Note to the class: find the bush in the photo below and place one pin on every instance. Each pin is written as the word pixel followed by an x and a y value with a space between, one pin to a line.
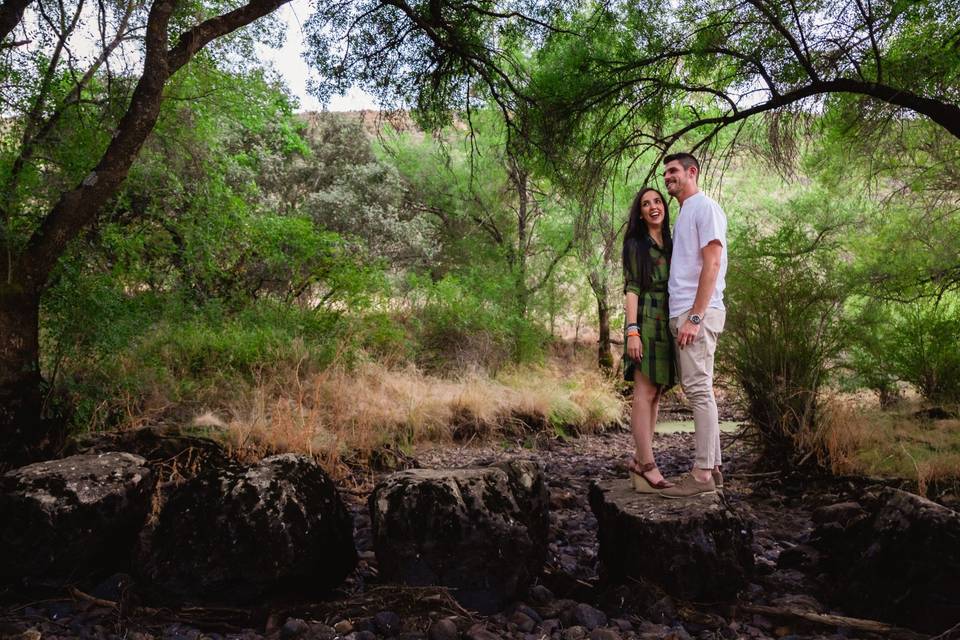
pixel 785 326
pixel 923 348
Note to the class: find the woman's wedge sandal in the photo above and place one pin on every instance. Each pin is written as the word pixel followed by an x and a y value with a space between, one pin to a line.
pixel 640 482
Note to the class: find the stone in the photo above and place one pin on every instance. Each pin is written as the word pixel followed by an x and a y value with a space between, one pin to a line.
pixel 343 627
pixel 479 632
pixel 387 622
pixel 237 533
pixel 575 632
pixel 522 621
pixel 898 563
pixel 183 452
pixel 482 531
pixel 798 557
pixel 74 516
pixel 539 594
pixel 293 628
pixel 443 629
pixel 696 549
pixel 589 617
pixel 604 634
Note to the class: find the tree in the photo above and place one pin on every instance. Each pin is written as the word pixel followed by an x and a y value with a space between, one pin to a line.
pixel 57 176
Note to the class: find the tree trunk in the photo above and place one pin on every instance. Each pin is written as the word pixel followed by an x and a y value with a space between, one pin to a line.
pixel 25 433
pixel 604 355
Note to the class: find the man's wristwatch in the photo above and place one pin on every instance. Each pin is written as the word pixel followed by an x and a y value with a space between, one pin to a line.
pixel 695 318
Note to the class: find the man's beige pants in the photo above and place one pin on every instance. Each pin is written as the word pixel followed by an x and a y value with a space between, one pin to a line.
pixel 696 377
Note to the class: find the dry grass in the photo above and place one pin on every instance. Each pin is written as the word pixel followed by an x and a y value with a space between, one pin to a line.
pixel 864 440
pixel 337 414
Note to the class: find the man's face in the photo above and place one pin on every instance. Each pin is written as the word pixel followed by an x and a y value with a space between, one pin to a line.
pixel 676 178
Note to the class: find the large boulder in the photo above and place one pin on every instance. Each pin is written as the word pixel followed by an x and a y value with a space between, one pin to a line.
pixel 72 517
pixel 895 556
pixel 480 531
pixel 236 533
pixel 696 548
pixel 173 452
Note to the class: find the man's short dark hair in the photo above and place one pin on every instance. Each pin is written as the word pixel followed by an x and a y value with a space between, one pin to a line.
pixel 686 159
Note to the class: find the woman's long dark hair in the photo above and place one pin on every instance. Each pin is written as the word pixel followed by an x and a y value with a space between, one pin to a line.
pixel 637 242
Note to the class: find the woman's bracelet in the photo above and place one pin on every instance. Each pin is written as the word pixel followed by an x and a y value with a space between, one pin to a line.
pixel 634 325
pixel 631 334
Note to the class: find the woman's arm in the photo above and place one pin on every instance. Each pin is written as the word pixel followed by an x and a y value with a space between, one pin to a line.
pixel 634 347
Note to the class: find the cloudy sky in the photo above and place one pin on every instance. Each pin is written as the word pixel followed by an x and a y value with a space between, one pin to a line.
pixel 289 62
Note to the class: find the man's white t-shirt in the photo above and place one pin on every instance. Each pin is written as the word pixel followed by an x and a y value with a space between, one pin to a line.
pixel 701 220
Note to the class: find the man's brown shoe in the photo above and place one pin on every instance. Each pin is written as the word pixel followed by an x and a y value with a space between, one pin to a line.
pixel 689 486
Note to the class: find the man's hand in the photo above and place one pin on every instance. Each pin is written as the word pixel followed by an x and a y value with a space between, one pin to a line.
pixel 687 333
pixel 634 348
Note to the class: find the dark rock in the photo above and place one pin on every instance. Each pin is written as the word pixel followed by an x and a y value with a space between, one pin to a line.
pixel 798 557
pixel 72 516
pixel 443 629
pixel 574 633
pixel 589 617
pixel 842 513
pixel 539 594
pixel 237 533
pixel 522 621
pixel 479 632
pixel 480 531
pixel 343 627
pixel 604 634
pixel 696 549
pixel 293 628
pixel 181 453
pixel 387 622
pixel 898 563
pixel 529 612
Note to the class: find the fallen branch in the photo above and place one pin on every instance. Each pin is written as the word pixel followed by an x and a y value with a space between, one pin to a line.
pixel 830 620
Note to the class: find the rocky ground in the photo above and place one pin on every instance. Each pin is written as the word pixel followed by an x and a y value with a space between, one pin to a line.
pixel 571 601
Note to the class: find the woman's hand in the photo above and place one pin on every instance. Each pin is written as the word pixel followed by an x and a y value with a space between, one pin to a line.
pixel 634 348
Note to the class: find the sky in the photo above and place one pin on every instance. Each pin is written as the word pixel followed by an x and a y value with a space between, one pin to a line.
pixel 289 62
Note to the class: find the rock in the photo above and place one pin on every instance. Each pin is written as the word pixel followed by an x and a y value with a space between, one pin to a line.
pixel 897 563
pixel 237 533
pixel 387 623
pixel 589 617
pixel 72 516
pixel 604 634
pixel 443 629
pixel 343 627
pixel 842 513
pixel 479 632
pixel 480 531
pixel 574 633
pixel 797 557
pixel 293 628
pixel 539 594
pixel 523 622
pixel 696 548
pixel 185 452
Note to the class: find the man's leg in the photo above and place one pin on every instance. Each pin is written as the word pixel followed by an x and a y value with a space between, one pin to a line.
pixel 696 377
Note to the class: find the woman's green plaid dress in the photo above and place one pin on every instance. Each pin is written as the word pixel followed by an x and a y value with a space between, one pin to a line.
pixel 658 362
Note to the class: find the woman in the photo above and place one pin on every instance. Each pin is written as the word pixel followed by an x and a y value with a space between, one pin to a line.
pixel 648 360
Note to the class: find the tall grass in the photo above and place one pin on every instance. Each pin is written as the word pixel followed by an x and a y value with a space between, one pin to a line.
pixel 864 440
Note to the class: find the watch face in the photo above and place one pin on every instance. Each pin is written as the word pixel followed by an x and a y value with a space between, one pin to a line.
pixel 695 319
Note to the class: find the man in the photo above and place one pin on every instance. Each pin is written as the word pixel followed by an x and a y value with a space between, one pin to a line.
pixel 697 314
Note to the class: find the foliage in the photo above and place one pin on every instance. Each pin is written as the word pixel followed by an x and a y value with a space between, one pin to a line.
pixel 786 323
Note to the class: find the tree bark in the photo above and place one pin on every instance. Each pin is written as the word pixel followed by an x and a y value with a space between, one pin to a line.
pixel 604 354
pixel 27 433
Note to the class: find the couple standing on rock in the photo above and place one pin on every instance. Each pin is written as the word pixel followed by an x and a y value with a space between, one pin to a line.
pixel 674 313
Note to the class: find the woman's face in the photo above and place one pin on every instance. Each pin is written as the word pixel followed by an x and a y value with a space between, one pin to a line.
pixel 651 208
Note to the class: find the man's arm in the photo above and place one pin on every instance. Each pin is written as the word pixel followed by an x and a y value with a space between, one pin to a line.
pixel 712 254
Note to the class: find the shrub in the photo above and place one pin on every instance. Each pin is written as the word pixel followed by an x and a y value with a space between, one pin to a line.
pixel 785 326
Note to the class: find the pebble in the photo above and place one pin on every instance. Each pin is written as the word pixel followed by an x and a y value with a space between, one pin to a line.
pixel 387 622
pixel 479 632
pixel 443 629
pixel 604 634
pixel 574 633
pixel 293 628
pixel 589 617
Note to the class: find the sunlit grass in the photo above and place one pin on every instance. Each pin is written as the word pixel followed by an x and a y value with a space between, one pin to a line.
pixel 894 444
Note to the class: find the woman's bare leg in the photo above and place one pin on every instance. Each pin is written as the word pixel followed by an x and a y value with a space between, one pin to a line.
pixel 643 418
